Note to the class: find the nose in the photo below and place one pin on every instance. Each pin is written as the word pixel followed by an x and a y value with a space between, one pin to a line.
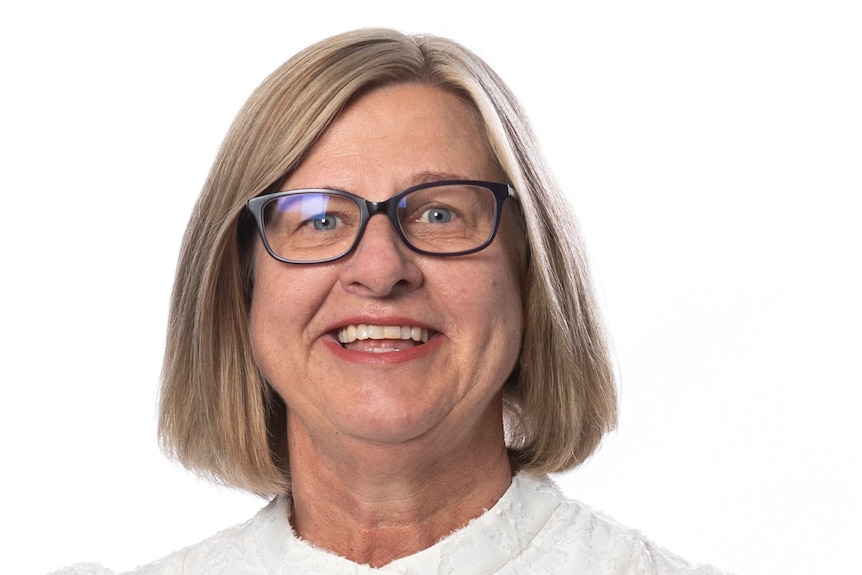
pixel 381 264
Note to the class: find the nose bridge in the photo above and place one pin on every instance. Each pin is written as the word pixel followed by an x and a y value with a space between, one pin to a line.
pixel 379 207
pixel 382 208
pixel 380 262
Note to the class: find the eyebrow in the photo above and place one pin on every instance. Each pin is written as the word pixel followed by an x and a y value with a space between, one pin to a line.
pixel 423 177
pixel 428 177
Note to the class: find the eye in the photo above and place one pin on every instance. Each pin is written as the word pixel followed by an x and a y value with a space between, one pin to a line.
pixel 436 216
pixel 324 223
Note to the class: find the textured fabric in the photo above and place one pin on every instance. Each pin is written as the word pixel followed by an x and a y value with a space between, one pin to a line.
pixel 533 529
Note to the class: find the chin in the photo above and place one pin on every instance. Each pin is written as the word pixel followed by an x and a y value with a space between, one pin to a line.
pixel 389 428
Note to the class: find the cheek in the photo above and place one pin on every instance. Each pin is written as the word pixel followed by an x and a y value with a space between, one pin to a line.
pixel 268 312
pixel 508 279
pixel 267 299
pixel 284 301
pixel 496 307
pixel 510 311
pixel 509 306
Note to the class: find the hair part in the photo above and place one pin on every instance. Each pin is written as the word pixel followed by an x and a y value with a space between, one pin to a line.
pixel 222 420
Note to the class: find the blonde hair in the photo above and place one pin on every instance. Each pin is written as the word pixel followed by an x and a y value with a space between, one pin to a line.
pixel 220 418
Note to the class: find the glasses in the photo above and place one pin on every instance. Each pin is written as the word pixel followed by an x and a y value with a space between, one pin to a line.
pixel 447 218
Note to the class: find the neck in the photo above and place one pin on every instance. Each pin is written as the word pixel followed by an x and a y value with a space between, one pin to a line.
pixel 373 504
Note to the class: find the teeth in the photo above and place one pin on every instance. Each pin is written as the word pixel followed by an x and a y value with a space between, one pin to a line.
pixel 362 331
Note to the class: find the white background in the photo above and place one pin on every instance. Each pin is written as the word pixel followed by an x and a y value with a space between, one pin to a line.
pixel 712 151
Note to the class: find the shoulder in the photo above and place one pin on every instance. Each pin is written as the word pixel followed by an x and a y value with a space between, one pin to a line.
pixel 577 535
pixel 83 569
pixel 170 565
pixel 235 549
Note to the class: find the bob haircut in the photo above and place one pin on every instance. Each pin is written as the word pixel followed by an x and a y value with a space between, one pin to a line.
pixel 222 420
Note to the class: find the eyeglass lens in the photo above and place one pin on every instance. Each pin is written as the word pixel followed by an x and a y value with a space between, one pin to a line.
pixel 315 225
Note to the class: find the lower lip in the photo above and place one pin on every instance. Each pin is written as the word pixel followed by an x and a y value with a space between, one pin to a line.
pixel 387 358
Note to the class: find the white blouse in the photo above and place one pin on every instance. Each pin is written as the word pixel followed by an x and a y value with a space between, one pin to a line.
pixel 533 529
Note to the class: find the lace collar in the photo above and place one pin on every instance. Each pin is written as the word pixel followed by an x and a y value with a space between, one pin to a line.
pixel 484 545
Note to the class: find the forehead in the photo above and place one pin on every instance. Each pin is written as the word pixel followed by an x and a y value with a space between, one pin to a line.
pixel 397 136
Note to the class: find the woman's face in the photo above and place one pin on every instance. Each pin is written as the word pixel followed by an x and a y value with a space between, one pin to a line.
pixel 391 391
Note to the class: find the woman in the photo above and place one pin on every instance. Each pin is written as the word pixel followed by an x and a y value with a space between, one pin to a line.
pixel 400 384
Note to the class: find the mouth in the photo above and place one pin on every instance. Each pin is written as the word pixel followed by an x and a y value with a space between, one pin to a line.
pixel 381 338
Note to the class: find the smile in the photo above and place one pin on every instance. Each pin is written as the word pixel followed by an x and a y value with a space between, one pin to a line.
pixel 360 332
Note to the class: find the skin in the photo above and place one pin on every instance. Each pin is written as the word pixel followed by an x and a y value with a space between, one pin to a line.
pixel 386 449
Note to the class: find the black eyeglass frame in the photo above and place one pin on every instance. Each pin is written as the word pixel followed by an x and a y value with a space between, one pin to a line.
pixel 389 208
